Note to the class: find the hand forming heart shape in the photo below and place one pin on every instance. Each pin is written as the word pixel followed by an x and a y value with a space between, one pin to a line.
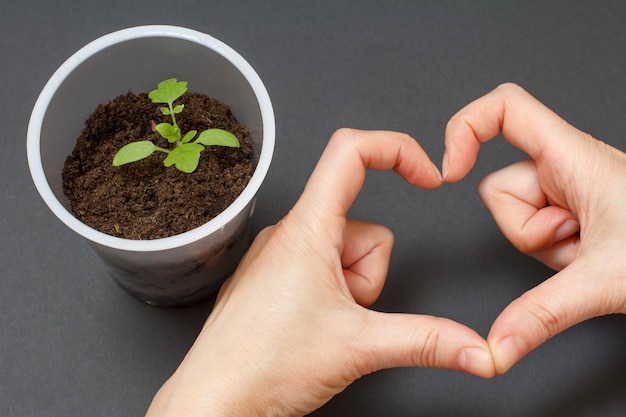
pixel 293 318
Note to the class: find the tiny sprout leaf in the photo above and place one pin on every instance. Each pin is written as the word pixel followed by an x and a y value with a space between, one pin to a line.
pixel 168 131
pixel 186 154
pixel 189 136
pixel 186 157
pixel 218 137
pixel 168 91
pixel 133 152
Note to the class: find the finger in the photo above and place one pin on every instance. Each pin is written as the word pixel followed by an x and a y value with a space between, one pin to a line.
pixel 402 340
pixel 562 253
pixel 521 209
pixel 340 173
pixel 581 291
pixel 365 260
pixel 525 122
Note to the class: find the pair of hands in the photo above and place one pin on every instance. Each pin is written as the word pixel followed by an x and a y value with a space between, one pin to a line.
pixel 290 329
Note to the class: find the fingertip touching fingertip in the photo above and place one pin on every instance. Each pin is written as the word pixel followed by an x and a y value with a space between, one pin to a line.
pixel 437 173
pixel 445 166
pixel 507 352
pixel 476 361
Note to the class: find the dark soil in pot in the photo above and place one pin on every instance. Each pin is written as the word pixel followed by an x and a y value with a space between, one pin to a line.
pixel 144 199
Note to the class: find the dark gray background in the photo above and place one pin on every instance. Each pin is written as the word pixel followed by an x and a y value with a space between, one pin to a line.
pixel 73 344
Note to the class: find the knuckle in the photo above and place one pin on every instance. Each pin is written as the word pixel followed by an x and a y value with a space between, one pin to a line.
pixel 343 140
pixel 427 355
pixel 487 187
pixel 386 236
pixel 510 88
pixel 550 322
pixel 343 134
pixel 369 297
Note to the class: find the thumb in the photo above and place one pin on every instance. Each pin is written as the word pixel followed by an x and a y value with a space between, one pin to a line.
pixel 577 293
pixel 406 340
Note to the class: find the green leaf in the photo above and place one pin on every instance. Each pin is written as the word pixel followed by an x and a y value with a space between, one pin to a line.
pixel 185 157
pixel 189 136
pixel 218 137
pixel 168 91
pixel 133 152
pixel 179 108
pixel 166 111
pixel 168 131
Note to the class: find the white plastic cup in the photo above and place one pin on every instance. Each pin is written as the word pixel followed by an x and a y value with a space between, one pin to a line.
pixel 183 269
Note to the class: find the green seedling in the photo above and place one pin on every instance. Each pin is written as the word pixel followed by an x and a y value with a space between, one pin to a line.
pixel 186 154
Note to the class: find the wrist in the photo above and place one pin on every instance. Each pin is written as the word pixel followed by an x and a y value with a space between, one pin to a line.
pixel 218 391
pixel 188 403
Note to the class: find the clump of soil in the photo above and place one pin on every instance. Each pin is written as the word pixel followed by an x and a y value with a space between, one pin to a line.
pixel 144 199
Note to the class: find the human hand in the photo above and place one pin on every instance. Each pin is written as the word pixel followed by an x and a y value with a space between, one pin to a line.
pixel 291 329
pixel 564 206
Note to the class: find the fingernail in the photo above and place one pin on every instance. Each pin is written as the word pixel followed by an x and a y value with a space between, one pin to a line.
pixel 476 361
pixel 445 165
pixel 566 230
pixel 510 350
